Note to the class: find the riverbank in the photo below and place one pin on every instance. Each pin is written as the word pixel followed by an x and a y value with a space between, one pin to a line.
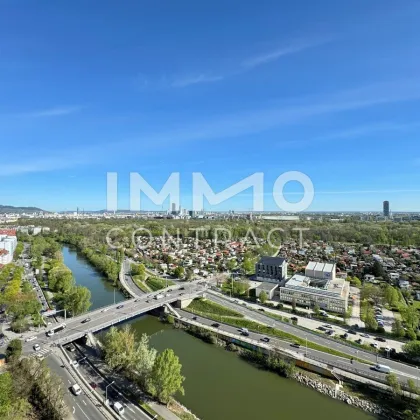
pixel 378 403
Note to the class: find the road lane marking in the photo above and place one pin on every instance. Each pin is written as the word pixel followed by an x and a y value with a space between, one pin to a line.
pixel 83 411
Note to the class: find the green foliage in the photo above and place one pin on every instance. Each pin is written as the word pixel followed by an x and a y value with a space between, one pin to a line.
pixel 410 334
pixel 139 270
pixel 18 250
pixel 393 382
pixel 204 306
pixel 412 349
pixel 263 297
pixel 103 263
pixel 410 316
pixel 272 363
pixel 156 283
pixel 398 329
pixel 179 272
pixel 76 300
pixel 13 350
pixel 12 406
pixel 370 321
pixel 391 296
pixel 248 266
pixel 60 277
pixel 354 281
pixel 377 269
pixel 166 379
pixel 372 292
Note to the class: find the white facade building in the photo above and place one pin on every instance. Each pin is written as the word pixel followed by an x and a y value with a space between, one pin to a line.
pixel 319 286
pixel 8 243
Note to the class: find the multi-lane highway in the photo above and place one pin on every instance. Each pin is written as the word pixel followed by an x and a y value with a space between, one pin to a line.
pixel 409 371
pixel 328 359
pixel 104 317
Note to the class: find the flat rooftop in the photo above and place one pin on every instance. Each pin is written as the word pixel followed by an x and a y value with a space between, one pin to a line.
pixel 334 288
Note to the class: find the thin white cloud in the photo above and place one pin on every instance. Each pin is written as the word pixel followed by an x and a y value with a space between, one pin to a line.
pixel 292 48
pixel 52 112
pixel 195 80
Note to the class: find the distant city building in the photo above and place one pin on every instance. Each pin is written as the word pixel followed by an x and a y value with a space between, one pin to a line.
pixel 271 269
pixel 386 208
pixel 319 286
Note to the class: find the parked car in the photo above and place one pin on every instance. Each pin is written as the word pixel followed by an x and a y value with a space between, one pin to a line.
pixel 120 306
pixel 365 335
pixel 85 320
pixel 215 325
pixel 261 309
pixel 352 332
pixel 381 339
pixel 359 341
pixel 294 318
pixel 374 345
pixel 194 318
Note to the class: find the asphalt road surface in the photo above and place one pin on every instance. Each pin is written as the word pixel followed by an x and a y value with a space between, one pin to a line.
pixel 95 320
pixel 80 406
pixel 399 368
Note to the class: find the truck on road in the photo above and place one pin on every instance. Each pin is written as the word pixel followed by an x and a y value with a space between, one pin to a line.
pixel 159 296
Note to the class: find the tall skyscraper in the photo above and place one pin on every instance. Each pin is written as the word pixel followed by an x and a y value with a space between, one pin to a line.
pixel 386 208
pixel 173 208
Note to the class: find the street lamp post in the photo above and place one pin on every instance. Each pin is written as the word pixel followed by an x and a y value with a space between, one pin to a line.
pixel 306 348
pixel 106 391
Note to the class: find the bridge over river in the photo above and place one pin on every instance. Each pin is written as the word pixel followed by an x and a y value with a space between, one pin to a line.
pixel 105 317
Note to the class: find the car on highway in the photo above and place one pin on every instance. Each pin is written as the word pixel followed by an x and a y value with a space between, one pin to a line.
pixel 381 339
pixel 70 348
pixel 374 345
pixel 74 363
pixel 365 335
pixel 182 288
pixel 85 320
pixel 382 368
pixel 104 310
pixel 296 345
pixel 120 306
pixel 294 318
pixel 328 326
pixel 118 408
pixel 358 341
pixel 261 309
pixel 215 325
pixel 265 339
pixel 321 328
pixel 31 339
pixel 75 389
pixel 329 332
pixel 352 332
pixel 345 335
pixel 136 300
pixel 194 318
pixel 37 347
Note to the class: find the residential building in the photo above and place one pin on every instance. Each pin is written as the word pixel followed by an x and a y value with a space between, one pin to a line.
pixel 271 269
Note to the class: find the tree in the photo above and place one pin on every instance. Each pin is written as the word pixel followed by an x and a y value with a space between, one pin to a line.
pixel 144 360
pixel 179 272
pixel 317 309
pixel 355 281
pixel 370 321
pixel 231 264
pixel 294 304
pixel 14 350
pixel 166 378
pixel 189 274
pixel 377 269
pixel 76 300
pixel 371 292
pixel 263 296
pixel 411 334
pixel 138 270
pixel 12 406
pixel 119 347
pixel 412 349
pixel 398 329
pixel 410 316
pixel 394 384
pixel 412 387
pixel 248 266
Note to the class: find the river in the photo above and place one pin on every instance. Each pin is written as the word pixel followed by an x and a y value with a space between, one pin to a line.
pixel 85 274
pixel 218 384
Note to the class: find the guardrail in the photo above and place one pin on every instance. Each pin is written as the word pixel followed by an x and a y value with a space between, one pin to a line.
pixel 119 319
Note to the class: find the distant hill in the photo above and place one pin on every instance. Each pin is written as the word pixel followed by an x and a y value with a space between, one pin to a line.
pixel 12 209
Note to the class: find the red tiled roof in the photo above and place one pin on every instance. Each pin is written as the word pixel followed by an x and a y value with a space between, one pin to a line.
pixel 4 251
pixel 9 232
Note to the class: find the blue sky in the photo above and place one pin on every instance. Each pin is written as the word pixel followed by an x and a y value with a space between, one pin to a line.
pixel 328 88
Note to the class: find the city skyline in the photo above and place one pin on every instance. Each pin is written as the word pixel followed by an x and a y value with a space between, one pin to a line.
pixel 192 88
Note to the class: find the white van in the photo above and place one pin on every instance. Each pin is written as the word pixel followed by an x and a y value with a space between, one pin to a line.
pixel 244 330
pixel 118 408
pixel 76 389
pixel 382 368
